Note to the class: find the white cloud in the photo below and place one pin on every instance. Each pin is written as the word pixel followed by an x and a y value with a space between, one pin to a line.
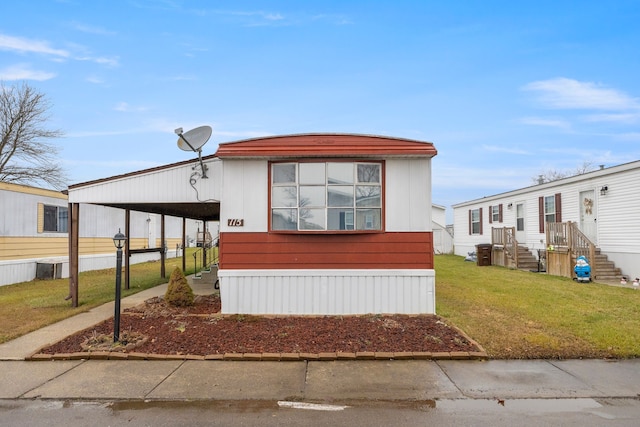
pixel 112 62
pixel 125 107
pixel 541 121
pixel 508 150
pixel 564 93
pixel 627 118
pixel 630 136
pixel 91 29
pixel 23 45
pixel 23 72
pixel 95 80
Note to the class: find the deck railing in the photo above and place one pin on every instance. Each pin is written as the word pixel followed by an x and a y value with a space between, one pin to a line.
pixel 565 243
pixel 505 245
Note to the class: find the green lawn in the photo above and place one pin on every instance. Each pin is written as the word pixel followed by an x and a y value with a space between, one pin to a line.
pixel 25 307
pixel 519 314
pixel 512 314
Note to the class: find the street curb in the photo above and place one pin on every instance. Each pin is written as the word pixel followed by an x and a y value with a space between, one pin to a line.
pixel 272 357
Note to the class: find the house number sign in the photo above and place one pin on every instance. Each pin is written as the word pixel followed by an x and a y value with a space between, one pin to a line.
pixel 234 222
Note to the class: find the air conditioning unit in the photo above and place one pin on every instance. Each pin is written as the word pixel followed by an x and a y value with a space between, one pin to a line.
pixel 48 270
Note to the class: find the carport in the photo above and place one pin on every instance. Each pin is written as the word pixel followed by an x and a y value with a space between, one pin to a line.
pixel 178 190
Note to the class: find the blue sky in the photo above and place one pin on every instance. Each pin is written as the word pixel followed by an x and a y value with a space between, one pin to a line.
pixel 505 90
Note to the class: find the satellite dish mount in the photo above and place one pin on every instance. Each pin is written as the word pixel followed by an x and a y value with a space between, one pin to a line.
pixel 194 140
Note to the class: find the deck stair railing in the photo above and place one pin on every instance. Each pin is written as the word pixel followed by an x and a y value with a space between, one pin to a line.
pixel 504 239
pixel 206 259
pixel 565 240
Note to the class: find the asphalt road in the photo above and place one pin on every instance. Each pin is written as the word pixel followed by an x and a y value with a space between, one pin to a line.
pixel 458 412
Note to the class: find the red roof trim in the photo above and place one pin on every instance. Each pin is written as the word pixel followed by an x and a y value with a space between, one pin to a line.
pixel 325 145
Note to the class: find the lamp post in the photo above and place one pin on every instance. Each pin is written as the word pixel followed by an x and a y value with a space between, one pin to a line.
pixel 118 241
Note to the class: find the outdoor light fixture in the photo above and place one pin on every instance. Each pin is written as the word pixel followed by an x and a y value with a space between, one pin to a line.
pixel 604 190
pixel 118 240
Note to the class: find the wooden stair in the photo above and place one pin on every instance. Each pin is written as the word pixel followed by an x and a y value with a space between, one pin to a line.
pixel 526 260
pixel 606 270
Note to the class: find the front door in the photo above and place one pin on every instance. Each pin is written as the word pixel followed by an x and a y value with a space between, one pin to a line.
pixel 521 235
pixel 588 210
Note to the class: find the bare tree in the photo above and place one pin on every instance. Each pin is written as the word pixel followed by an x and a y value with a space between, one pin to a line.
pixel 26 156
pixel 554 175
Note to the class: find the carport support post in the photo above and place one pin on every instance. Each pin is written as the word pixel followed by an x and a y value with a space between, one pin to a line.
pixel 184 246
pixel 163 252
pixel 127 232
pixel 73 239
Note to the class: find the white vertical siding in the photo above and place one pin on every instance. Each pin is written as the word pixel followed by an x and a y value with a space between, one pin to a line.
pixel 24 270
pixel 172 185
pixel 408 195
pixel 327 292
pixel 245 195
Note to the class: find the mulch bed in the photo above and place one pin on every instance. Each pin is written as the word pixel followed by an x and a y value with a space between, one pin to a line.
pixel 157 328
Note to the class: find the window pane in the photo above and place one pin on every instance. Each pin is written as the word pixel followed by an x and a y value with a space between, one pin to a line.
pixel 340 173
pixel 475 215
pixel 284 219
pixel 283 197
pixel 312 219
pixel 340 219
pixel 368 195
pixel 475 228
pixel 312 196
pixel 340 195
pixel 368 219
pixel 368 173
pixel 312 173
pixel 550 205
pixel 50 218
pixel 63 218
pixel 284 173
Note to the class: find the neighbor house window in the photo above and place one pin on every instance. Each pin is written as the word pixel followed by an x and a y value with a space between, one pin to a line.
pixel 549 210
pixel 475 221
pixel 495 213
pixel 519 217
pixel 55 218
pixel 326 196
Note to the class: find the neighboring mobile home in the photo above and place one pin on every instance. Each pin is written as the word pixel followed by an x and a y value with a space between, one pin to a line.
pixel 442 235
pixel 595 214
pixel 309 224
pixel 34 231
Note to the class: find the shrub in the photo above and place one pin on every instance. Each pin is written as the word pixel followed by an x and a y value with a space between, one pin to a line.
pixel 179 293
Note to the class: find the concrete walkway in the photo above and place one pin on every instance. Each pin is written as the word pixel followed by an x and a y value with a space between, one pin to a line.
pixel 314 381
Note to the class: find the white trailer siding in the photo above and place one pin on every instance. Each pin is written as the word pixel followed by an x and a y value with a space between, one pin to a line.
pixel 168 185
pixel 245 193
pixel 615 213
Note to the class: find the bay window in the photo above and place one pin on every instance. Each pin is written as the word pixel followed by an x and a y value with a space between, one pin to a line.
pixel 326 196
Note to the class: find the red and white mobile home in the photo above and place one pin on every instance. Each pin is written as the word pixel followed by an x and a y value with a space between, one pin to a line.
pixel 309 224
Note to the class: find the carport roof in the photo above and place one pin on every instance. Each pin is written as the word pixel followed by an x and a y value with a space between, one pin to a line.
pixel 153 199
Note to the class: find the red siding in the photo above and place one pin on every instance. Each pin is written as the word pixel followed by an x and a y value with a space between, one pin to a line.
pixel 244 251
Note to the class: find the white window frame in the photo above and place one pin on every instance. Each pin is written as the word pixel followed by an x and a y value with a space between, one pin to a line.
pixel 549 209
pixel 326 196
pixel 475 221
pixel 61 219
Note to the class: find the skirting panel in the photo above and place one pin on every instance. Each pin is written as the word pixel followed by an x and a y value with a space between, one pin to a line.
pixel 327 292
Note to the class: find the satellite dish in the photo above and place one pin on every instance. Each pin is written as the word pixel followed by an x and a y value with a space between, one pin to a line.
pixel 194 140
